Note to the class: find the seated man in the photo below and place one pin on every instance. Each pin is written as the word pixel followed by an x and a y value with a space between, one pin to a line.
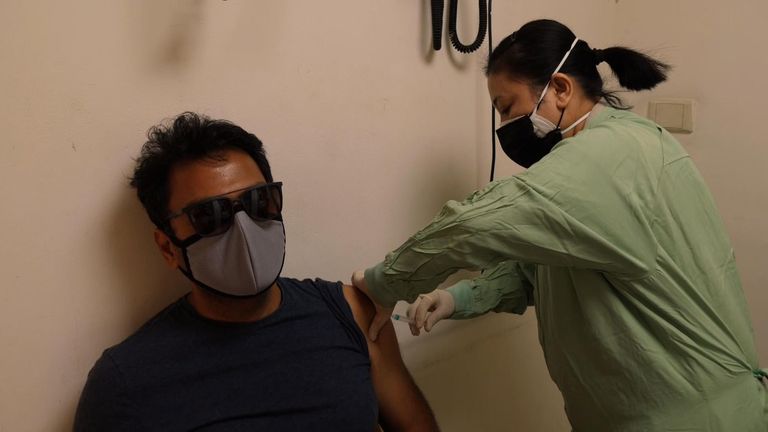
pixel 244 350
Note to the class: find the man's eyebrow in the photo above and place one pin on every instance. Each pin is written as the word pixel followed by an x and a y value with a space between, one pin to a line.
pixel 202 200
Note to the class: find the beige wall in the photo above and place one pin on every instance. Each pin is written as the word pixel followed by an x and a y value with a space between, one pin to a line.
pixel 368 130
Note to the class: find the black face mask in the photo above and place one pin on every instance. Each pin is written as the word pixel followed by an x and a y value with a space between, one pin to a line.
pixel 518 139
pixel 520 143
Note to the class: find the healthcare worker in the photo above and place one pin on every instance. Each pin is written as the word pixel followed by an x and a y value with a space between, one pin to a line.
pixel 611 233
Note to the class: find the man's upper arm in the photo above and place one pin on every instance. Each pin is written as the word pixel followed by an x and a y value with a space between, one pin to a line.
pixel 402 407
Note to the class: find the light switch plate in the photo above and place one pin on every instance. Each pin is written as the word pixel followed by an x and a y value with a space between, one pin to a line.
pixel 674 115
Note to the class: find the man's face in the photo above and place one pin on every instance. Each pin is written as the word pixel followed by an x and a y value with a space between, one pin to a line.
pixel 198 180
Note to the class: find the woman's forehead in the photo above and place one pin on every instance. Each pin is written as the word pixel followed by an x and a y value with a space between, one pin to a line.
pixel 502 87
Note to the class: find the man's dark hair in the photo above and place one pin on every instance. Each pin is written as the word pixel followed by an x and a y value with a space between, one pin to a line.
pixel 188 137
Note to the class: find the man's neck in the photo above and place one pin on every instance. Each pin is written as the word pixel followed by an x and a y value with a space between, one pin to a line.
pixel 249 309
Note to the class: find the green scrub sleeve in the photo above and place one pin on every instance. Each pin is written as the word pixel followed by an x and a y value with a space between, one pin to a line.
pixel 557 213
pixel 501 289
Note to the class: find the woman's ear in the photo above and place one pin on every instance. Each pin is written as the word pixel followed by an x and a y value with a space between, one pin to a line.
pixel 563 85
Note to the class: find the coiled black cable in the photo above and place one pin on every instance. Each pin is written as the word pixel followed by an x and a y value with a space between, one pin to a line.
pixel 485 20
pixel 454 37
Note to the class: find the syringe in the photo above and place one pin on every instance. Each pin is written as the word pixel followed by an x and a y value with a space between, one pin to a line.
pixel 402 318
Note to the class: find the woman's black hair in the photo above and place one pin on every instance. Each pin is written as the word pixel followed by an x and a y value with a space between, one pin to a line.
pixel 534 51
pixel 188 137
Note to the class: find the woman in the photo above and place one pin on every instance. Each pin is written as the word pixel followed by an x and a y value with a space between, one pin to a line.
pixel 611 233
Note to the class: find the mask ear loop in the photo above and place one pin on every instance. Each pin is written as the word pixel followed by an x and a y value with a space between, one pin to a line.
pixel 576 123
pixel 557 69
pixel 541 98
pixel 562 113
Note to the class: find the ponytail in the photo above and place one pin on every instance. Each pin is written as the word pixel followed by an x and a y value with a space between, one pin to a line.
pixel 634 70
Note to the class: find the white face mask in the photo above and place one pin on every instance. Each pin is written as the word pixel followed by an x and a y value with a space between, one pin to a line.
pixel 541 125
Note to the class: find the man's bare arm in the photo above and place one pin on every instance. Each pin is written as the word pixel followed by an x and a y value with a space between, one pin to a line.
pixel 402 406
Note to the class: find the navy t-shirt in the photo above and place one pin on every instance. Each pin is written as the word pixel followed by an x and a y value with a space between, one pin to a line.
pixel 303 368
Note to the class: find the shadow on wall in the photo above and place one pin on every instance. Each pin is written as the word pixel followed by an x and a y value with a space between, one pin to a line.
pixel 170 29
pixel 426 32
pixel 144 282
pixel 179 36
pixel 140 286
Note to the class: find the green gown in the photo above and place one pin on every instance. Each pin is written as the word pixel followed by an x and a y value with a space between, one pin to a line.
pixel 616 240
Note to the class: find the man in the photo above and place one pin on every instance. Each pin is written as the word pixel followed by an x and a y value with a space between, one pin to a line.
pixel 245 349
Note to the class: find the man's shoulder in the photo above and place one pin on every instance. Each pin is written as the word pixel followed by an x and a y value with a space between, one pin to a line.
pixel 309 284
pixel 160 326
pixel 344 302
pixel 315 288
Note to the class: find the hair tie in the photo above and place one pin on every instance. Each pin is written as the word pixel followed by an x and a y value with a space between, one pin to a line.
pixel 599 56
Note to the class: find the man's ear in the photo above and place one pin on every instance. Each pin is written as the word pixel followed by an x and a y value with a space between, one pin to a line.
pixel 167 249
pixel 563 85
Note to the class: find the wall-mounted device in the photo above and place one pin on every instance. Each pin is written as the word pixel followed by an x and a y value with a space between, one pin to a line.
pixel 484 25
pixel 453 6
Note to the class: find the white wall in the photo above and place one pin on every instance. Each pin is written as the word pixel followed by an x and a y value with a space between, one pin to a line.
pixel 370 132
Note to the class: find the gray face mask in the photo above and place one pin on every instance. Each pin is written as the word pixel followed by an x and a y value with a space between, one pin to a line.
pixel 244 261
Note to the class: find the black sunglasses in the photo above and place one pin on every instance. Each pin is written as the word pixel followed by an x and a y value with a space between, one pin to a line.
pixel 214 216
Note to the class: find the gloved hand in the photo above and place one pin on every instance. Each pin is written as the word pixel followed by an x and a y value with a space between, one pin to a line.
pixel 430 308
